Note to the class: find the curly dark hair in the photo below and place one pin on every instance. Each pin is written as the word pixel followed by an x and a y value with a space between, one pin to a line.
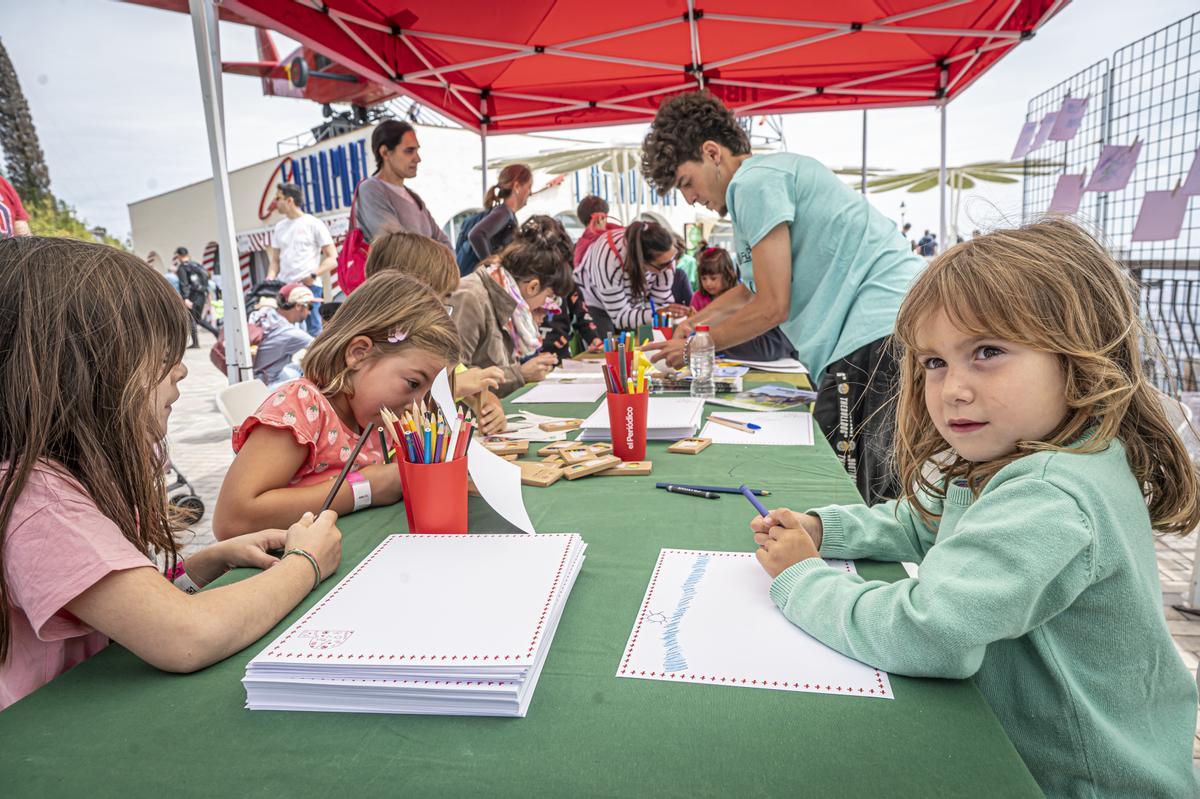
pixel 541 248
pixel 682 124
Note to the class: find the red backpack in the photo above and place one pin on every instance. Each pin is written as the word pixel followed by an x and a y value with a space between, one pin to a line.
pixel 352 259
pixel 217 353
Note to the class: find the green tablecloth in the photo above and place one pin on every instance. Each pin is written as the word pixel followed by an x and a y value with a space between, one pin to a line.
pixel 115 726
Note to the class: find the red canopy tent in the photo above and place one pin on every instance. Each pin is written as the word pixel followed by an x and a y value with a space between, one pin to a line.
pixel 550 64
pixel 541 64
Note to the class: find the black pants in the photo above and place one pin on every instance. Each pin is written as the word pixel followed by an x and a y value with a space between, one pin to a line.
pixel 197 312
pixel 856 408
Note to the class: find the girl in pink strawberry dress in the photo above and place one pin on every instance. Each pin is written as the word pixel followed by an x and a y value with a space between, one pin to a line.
pixel 383 349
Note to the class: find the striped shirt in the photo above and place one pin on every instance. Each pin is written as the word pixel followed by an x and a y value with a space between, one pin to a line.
pixel 606 285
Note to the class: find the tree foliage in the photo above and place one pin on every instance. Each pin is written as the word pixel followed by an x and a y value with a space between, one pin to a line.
pixel 26 165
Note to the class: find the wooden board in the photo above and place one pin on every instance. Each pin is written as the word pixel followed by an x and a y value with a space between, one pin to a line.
pixel 590 466
pixel 628 469
pixel 565 424
pixel 538 474
pixel 502 446
pixel 689 446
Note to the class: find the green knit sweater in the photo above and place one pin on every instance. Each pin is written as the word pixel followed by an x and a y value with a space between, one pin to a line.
pixel 1045 589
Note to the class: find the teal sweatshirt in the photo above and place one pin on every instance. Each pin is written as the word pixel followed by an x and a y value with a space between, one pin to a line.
pixel 1044 589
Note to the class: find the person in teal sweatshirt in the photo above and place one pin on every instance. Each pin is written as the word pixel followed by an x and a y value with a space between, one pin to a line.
pixel 1021 376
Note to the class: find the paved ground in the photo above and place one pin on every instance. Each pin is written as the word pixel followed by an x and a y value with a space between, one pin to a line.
pixel 199 445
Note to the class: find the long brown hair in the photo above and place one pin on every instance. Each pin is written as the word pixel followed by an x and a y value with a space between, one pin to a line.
pixel 88 333
pixel 385 305
pixel 644 241
pixel 417 256
pixel 1052 287
pixel 510 177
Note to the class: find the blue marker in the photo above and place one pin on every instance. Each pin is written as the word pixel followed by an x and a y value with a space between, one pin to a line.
pixel 758 506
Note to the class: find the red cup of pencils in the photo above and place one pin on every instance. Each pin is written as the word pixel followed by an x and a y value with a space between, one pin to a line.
pixel 627 422
pixel 666 331
pixel 435 496
pixel 433 468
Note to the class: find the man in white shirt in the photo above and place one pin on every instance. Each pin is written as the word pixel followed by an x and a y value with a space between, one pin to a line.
pixel 303 248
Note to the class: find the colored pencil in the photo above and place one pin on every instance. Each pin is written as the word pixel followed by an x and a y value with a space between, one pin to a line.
pixel 758 506
pixel 337 484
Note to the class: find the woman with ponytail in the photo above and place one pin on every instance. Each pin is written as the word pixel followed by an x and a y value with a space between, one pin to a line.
pixel 382 203
pixel 623 270
pixel 496 227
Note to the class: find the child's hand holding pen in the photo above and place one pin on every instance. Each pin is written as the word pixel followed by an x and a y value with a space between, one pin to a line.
pixel 785 538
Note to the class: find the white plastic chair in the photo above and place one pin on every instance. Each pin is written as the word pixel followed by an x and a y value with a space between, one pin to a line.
pixel 238 401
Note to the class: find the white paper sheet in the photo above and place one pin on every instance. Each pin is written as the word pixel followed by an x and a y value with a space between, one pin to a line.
pixel 707 617
pixel 785 428
pixel 1024 141
pixel 498 481
pixel 588 391
pixel 1043 134
pixel 1069 118
pixel 782 365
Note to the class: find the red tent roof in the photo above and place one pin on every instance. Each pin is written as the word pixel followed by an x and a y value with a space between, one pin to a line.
pixel 539 64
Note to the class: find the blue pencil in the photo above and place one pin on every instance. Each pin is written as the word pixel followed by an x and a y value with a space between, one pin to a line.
pixel 758 506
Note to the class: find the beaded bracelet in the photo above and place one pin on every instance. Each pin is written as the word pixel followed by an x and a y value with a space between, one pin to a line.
pixel 307 556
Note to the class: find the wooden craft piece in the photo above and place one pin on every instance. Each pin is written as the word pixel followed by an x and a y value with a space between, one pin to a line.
pixel 502 446
pixel 590 466
pixel 558 446
pixel 578 455
pixel 689 446
pixel 512 456
pixel 565 424
pixel 627 469
pixel 538 474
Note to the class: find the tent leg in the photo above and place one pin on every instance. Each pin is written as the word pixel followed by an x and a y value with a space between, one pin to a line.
pixel 942 184
pixel 483 157
pixel 237 342
pixel 864 158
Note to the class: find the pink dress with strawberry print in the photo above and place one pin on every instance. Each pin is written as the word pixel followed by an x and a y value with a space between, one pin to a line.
pixel 301 409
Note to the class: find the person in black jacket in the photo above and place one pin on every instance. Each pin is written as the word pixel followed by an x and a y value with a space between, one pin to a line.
pixel 193 285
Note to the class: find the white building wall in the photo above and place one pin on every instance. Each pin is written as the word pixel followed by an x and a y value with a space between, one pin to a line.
pixel 448 180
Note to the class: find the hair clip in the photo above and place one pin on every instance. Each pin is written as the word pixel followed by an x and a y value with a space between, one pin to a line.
pixel 396 335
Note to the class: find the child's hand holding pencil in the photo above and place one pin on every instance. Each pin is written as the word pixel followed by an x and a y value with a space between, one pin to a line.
pixel 785 538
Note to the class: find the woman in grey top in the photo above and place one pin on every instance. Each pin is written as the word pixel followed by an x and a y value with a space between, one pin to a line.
pixel 384 204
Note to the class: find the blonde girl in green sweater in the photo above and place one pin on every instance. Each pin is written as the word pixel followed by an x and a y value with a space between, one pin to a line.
pixel 1021 374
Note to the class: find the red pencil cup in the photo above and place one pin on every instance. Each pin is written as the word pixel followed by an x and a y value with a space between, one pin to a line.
pixel 435 496
pixel 627 423
pixel 666 331
pixel 610 358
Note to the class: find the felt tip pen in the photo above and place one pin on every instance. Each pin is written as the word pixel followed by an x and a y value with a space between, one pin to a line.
pixel 758 506
pixel 693 492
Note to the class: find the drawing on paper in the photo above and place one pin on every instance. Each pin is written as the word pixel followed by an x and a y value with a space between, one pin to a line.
pixel 673 659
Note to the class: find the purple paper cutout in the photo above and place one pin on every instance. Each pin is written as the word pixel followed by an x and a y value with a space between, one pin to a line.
pixel 1067 195
pixel 1161 217
pixel 1070 117
pixel 1115 167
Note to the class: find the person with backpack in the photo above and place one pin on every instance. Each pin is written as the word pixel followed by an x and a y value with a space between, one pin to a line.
pixel 489 230
pixel 193 286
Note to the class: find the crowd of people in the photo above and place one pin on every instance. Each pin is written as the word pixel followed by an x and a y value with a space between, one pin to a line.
pixel 990 406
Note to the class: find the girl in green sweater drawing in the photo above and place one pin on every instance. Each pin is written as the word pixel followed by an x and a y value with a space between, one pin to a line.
pixel 1021 374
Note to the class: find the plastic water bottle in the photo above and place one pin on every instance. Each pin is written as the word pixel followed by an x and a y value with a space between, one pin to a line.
pixel 700 362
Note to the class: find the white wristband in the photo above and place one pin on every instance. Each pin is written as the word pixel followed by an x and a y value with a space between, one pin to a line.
pixel 362 490
pixel 185 583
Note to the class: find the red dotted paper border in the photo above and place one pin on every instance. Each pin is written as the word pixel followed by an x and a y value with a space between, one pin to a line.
pixel 431 658
pixel 717 679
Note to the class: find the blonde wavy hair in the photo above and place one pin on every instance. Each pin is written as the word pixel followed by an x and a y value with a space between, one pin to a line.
pixel 1048 286
pixel 415 255
pixel 387 306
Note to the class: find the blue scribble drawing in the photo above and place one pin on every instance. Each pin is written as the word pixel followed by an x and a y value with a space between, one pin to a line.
pixel 673 659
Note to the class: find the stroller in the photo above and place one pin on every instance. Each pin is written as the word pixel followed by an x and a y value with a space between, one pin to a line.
pixel 181 495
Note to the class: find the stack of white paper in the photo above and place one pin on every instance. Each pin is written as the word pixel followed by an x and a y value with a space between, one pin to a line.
pixel 667 419
pixel 781 365
pixel 431 624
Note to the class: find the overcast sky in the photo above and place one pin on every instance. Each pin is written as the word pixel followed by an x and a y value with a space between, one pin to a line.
pixel 115 96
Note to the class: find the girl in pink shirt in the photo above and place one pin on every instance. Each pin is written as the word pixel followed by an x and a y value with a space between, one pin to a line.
pixel 716 273
pixel 94 338
pixel 383 349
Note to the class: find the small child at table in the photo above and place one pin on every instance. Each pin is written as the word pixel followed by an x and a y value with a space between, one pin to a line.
pixel 92 358
pixel 384 347
pixel 1022 377
pixel 717 275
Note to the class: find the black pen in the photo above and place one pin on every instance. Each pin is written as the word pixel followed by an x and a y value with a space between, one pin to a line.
pixel 718 489
pixel 693 492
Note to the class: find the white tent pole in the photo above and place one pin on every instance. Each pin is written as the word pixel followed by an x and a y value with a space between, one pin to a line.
pixel 864 158
pixel 237 342
pixel 942 172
